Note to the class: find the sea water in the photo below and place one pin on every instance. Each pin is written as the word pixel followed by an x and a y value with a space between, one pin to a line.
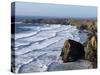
pixel 38 45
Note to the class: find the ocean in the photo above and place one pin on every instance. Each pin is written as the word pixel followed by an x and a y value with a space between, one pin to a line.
pixel 38 45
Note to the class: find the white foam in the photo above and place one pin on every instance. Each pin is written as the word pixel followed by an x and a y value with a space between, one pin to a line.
pixel 51 27
pixel 21 35
pixel 40 36
pixel 48 38
pixel 44 44
pixel 44 34
pixel 37 45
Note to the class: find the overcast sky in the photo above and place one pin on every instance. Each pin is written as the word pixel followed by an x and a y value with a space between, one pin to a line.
pixel 54 10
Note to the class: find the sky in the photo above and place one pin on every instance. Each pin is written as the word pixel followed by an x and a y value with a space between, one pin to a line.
pixel 54 10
